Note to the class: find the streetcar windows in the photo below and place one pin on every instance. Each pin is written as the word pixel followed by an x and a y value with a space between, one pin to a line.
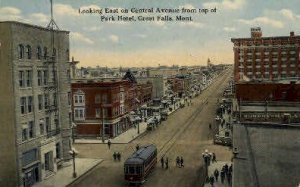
pixel 131 169
pixel 138 170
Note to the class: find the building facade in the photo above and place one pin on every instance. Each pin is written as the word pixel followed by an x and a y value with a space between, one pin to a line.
pixel 266 58
pixel 107 103
pixel 35 84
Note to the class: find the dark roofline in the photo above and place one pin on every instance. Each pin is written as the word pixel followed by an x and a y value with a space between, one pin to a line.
pixel 272 125
pixel 33 26
pixel 266 38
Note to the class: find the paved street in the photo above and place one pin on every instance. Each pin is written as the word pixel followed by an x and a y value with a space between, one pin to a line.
pixel 185 133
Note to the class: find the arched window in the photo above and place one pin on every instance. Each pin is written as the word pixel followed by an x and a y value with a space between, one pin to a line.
pixel 38 52
pixel 45 53
pixel 28 51
pixel 21 51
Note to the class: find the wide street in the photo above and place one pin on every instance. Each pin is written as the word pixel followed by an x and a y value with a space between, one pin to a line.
pixel 185 133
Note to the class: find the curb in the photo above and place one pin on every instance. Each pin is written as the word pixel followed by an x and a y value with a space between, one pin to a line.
pixel 85 173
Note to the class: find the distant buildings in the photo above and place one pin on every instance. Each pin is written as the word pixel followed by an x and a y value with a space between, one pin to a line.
pixel 266 58
pixel 35 103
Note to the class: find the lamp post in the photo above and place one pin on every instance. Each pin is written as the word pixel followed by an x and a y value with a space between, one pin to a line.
pixel 206 156
pixel 103 124
pixel 73 153
pixel 73 126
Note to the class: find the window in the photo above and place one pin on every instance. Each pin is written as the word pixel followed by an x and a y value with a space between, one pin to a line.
pixel 39 75
pixel 97 112
pixel 31 129
pixel 23 105
pixel 79 99
pixel 21 51
pixel 56 123
pixel 57 146
pixel 29 105
pixel 48 125
pixel 45 53
pixel 38 52
pixel 29 157
pixel 28 51
pixel 40 102
pixel 104 98
pixel 24 134
pixel 54 99
pixel 45 78
pixel 79 113
pixel 105 112
pixel 21 79
pixel 29 78
pixel 98 98
pixel 42 127
pixel 54 52
pixel 46 101
pixel 69 98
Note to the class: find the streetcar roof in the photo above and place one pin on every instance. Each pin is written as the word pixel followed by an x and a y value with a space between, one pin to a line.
pixel 141 155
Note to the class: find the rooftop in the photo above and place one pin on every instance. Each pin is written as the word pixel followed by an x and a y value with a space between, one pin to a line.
pixel 268 155
pixel 32 26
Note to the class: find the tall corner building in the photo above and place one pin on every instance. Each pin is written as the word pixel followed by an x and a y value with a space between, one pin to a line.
pixel 35 103
pixel 266 58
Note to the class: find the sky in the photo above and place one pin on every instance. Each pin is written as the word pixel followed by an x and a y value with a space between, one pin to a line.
pixel 140 44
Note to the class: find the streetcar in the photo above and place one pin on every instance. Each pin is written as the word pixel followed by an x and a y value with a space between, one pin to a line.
pixel 138 166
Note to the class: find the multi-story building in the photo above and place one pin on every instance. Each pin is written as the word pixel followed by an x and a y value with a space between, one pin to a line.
pixel 34 112
pixel 106 103
pixel 266 58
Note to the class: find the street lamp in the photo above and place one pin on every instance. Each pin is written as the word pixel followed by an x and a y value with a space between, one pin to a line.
pixel 73 126
pixel 73 153
pixel 206 156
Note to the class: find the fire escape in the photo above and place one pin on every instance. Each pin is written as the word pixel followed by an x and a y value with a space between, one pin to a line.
pixel 51 89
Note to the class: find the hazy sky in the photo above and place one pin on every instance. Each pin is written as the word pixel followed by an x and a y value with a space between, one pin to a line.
pixel 151 43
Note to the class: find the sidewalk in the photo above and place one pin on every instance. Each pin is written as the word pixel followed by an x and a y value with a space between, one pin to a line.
pixel 125 137
pixel 217 165
pixel 64 176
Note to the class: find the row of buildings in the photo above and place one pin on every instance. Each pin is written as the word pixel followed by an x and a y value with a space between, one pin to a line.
pixel 43 100
pixel 266 110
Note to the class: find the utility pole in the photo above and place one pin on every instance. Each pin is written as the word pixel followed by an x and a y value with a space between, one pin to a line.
pixel 102 123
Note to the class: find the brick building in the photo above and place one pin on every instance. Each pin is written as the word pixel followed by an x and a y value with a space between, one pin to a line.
pixel 95 102
pixel 266 58
pixel 268 91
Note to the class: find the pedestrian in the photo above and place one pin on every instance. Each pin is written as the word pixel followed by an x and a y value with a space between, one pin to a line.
pixel 210 126
pixel 108 144
pixel 162 162
pixel 226 169
pixel 216 174
pixel 229 177
pixel 213 158
pixel 167 163
pixel 222 175
pixel 119 156
pixel 181 162
pixel 137 147
pixel 115 156
pixel 211 180
pixel 177 161
pixel 230 168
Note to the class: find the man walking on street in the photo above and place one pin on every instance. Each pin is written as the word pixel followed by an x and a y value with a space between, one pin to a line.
pixel 108 144
pixel 177 161
pixel 216 173
pixel 214 158
pixel 211 180
pixel 181 162
pixel 162 162
pixel 222 176
pixel 167 163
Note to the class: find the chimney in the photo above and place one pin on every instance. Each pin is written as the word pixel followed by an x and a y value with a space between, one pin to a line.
pixel 292 33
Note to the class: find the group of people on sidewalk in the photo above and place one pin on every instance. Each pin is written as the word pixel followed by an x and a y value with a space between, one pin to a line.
pixel 226 172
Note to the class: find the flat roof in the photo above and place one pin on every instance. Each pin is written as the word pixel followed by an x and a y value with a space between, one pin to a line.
pixel 33 26
pixel 267 155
